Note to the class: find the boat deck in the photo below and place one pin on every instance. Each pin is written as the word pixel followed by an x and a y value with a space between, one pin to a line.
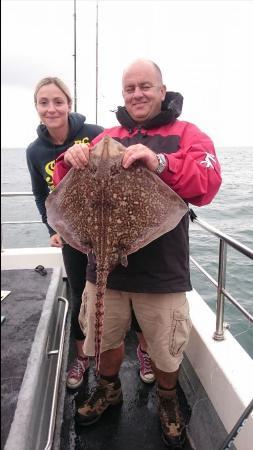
pixel 132 425
pixel 21 310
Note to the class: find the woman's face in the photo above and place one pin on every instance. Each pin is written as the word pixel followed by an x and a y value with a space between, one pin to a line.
pixel 52 106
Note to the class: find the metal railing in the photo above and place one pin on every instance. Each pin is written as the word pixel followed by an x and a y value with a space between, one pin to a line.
pixel 59 353
pixel 20 222
pixel 225 241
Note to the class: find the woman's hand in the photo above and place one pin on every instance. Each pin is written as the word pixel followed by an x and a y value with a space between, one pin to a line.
pixel 56 241
pixel 77 156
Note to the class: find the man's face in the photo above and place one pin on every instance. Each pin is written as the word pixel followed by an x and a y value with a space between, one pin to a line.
pixel 143 91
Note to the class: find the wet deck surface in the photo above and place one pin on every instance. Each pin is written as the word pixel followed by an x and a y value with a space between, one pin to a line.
pixel 22 309
pixel 133 425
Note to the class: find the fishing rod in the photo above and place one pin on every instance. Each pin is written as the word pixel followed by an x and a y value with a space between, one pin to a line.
pixel 75 57
pixel 96 63
pixel 238 426
pixel 75 93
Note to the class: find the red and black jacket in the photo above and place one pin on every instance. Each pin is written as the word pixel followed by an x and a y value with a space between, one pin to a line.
pixel 193 172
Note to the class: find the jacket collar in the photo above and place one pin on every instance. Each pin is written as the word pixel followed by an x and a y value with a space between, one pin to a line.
pixel 171 109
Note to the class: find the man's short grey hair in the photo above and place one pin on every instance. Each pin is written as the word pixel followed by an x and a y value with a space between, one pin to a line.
pixel 156 67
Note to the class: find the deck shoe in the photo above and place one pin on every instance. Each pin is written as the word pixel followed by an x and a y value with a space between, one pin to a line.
pixel 77 371
pixel 146 373
pixel 105 394
pixel 171 418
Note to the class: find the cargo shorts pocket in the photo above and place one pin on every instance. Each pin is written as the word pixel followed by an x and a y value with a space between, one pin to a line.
pixel 179 333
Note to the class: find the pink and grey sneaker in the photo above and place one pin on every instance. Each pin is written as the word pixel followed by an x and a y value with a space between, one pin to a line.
pixel 77 371
pixel 146 373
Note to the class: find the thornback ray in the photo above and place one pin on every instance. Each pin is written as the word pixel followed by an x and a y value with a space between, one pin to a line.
pixel 111 212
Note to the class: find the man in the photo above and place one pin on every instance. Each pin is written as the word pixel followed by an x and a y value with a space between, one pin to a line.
pixel 157 276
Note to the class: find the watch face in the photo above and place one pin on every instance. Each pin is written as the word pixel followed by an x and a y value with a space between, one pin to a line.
pixel 162 163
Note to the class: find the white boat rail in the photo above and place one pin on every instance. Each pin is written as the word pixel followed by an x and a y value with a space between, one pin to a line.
pixel 18 222
pixel 59 353
pixel 225 241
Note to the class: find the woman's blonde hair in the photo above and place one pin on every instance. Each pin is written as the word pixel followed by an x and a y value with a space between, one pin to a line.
pixel 58 82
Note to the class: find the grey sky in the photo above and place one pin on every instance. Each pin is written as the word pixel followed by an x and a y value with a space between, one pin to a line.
pixel 204 49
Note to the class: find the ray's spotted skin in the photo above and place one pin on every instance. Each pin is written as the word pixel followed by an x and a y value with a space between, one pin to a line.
pixel 111 212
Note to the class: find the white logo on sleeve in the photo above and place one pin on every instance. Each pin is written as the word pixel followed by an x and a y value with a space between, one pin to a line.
pixel 209 160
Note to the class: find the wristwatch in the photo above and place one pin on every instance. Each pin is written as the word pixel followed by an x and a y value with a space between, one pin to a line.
pixel 162 160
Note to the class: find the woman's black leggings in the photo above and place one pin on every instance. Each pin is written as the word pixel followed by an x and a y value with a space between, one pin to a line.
pixel 75 263
pixel 135 323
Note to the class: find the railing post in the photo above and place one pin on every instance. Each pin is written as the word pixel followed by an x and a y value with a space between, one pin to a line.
pixel 219 332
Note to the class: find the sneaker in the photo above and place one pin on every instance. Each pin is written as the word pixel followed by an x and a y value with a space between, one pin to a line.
pixel 171 417
pixel 76 372
pixel 105 394
pixel 146 373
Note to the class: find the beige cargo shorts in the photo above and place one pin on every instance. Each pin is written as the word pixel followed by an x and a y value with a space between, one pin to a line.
pixel 164 320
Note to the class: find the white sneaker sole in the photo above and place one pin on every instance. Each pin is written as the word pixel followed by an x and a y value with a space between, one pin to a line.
pixel 146 380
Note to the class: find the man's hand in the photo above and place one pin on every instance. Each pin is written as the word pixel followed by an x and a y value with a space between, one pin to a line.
pixel 139 151
pixel 77 156
pixel 55 241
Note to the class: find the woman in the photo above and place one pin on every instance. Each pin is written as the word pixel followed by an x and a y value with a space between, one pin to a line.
pixel 60 129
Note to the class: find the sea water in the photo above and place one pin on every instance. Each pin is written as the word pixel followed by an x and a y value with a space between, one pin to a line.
pixel 231 212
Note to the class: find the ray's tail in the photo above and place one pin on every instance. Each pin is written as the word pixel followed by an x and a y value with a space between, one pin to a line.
pixel 99 315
